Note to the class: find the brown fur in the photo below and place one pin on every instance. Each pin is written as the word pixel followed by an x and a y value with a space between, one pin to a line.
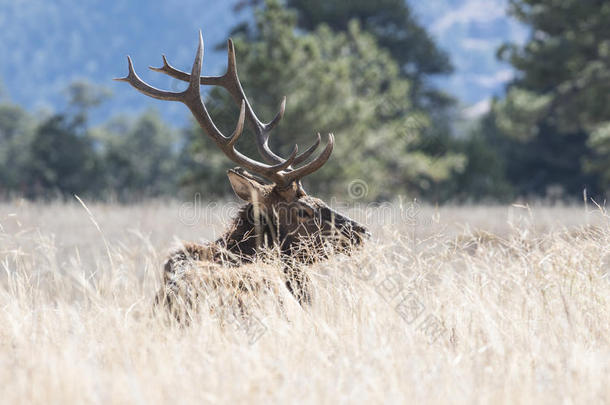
pixel 300 228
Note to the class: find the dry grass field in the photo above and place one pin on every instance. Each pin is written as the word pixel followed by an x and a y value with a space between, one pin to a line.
pixel 451 305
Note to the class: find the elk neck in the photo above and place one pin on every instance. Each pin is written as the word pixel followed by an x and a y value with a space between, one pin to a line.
pixel 248 233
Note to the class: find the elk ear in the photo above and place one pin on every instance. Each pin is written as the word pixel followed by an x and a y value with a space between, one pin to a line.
pixel 246 187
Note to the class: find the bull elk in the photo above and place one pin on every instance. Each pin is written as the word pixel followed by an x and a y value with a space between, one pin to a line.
pixel 278 215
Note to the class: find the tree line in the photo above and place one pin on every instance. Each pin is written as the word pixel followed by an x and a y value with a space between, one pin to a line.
pixel 361 70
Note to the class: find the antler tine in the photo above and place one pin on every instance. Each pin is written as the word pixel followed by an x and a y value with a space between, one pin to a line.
pixel 305 155
pixel 264 130
pixel 133 79
pixel 171 71
pixel 314 165
pixel 279 170
pixel 278 117
pixel 191 97
pixel 230 82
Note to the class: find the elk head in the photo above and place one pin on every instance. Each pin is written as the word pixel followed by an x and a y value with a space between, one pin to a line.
pixel 280 203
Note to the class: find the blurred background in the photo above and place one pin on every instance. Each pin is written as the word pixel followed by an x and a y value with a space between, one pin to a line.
pixel 443 100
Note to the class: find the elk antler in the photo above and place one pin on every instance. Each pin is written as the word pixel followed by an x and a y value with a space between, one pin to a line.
pixel 279 171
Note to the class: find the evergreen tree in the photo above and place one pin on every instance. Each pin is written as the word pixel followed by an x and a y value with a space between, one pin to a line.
pixel 557 110
pixel 63 161
pixel 16 132
pixel 141 156
pixel 340 82
pixel 63 157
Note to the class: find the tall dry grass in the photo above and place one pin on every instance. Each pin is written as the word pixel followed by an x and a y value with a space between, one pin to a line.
pixel 460 305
